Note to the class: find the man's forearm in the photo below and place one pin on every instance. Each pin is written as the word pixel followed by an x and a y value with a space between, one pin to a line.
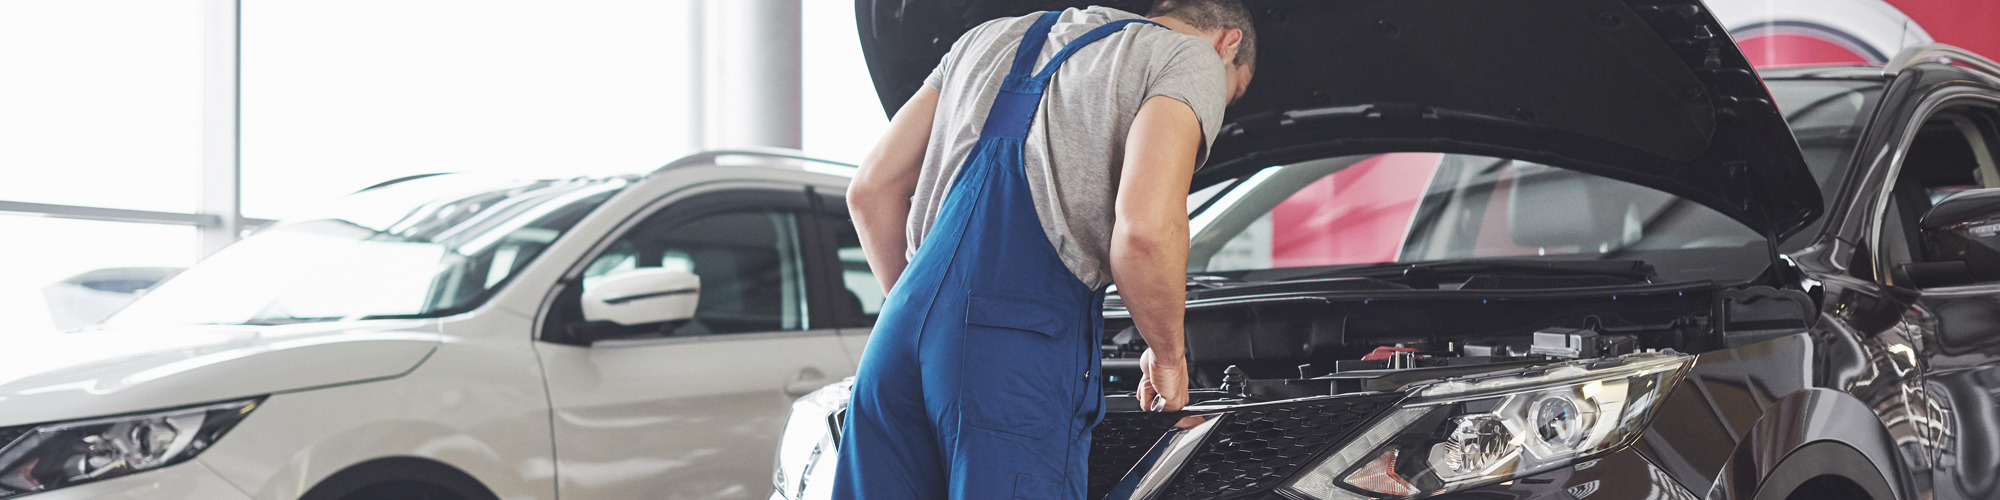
pixel 1149 241
pixel 1150 266
pixel 879 197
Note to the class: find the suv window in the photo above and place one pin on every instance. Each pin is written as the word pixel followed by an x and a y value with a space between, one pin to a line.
pixel 752 276
pixel 861 295
pixel 1953 151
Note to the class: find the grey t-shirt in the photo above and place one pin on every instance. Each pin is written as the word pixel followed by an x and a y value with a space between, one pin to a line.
pixel 1076 147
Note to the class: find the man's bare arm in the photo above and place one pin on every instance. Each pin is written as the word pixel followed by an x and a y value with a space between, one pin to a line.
pixel 879 197
pixel 1149 240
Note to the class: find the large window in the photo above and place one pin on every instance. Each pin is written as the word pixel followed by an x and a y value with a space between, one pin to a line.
pixel 841 115
pixel 124 105
pixel 101 103
pixel 338 96
pixel 44 251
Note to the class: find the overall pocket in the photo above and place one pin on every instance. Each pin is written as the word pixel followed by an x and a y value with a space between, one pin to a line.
pixel 1018 369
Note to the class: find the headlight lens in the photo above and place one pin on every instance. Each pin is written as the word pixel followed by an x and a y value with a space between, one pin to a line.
pixel 1465 433
pixel 811 440
pixel 50 456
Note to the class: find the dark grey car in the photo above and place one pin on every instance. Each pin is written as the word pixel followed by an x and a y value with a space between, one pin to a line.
pixel 1632 266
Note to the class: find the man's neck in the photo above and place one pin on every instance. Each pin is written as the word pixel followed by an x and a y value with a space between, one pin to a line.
pixel 1177 25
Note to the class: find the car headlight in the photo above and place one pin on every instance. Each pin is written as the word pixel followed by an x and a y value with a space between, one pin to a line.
pixel 1464 433
pixel 811 440
pixel 49 456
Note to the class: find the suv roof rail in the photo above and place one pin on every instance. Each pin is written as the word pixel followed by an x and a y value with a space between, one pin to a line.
pixel 399 180
pixel 710 157
pixel 1941 53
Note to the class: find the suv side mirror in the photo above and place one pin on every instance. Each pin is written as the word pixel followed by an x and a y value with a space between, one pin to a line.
pixel 1961 241
pixel 643 297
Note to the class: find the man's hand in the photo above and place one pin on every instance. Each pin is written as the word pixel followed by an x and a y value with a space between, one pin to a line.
pixel 1163 383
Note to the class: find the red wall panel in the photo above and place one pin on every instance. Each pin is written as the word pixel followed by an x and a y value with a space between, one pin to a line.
pixel 1972 24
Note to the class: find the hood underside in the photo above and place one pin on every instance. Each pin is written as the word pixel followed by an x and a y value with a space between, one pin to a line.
pixel 1652 92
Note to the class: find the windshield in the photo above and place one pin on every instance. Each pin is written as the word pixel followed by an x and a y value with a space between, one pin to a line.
pixel 1427 207
pixel 1826 116
pixel 422 247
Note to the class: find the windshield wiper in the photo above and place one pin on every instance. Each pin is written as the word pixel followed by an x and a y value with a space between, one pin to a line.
pixel 1627 269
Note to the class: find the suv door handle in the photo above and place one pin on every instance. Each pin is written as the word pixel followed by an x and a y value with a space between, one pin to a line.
pixel 807 380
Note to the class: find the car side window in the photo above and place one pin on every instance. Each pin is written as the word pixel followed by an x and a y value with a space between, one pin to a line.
pixel 860 294
pixel 1952 152
pixel 752 275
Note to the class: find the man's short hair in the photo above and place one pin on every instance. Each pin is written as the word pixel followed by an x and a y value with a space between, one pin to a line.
pixel 1209 15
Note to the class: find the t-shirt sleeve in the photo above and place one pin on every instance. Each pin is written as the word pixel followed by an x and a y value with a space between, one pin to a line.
pixel 936 79
pixel 1192 73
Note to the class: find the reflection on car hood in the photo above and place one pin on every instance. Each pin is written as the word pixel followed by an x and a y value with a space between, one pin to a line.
pixel 53 377
pixel 1651 92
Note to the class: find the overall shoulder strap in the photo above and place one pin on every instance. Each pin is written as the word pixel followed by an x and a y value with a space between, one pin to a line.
pixel 1031 46
pixel 1013 109
pixel 1093 36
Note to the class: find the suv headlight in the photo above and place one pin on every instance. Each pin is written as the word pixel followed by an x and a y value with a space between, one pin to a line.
pixel 48 456
pixel 1464 433
pixel 811 440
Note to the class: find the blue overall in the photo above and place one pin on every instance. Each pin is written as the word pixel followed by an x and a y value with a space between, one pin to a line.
pixel 981 378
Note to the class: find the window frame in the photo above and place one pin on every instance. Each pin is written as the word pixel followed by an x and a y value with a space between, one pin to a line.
pixel 830 210
pixel 687 204
pixel 1946 100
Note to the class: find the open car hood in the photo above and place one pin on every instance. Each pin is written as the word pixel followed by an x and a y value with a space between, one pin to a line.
pixel 1651 92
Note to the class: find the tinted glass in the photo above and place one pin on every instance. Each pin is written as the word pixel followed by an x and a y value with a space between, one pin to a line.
pixel 1827 118
pixel 752 279
pixel 1420 207
pixel 861 294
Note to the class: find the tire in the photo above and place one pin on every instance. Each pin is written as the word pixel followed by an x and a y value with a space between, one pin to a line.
pixel 399 478
pixel 402 490
pixel 1825 470
pixel 1829 488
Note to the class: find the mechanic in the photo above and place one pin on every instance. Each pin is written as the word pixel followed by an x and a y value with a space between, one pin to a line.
pixel 1005 195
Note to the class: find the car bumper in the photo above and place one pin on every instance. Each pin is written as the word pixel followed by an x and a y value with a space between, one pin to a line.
pixel 185 481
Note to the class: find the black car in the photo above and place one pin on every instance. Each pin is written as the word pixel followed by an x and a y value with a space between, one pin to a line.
pixel 1574 249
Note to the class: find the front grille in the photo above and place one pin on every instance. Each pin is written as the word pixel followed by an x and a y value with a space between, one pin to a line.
pixel 1257 447
pixel 1119 442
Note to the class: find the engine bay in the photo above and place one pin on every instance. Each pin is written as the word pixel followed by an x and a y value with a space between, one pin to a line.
pixel 1270 347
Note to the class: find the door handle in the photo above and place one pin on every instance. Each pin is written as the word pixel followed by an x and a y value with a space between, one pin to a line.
pixel 807 380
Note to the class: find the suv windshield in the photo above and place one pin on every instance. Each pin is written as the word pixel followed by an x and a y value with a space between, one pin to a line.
pixel 1428 207
pixel 428 246
pixel 1431 207
pixel 1827 118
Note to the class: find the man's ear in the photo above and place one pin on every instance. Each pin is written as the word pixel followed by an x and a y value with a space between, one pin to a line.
pixel 1227 44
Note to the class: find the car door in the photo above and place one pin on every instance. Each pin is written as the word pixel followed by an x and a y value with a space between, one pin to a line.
pixel 693 410
pixel 1950 145
pixel 857 296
